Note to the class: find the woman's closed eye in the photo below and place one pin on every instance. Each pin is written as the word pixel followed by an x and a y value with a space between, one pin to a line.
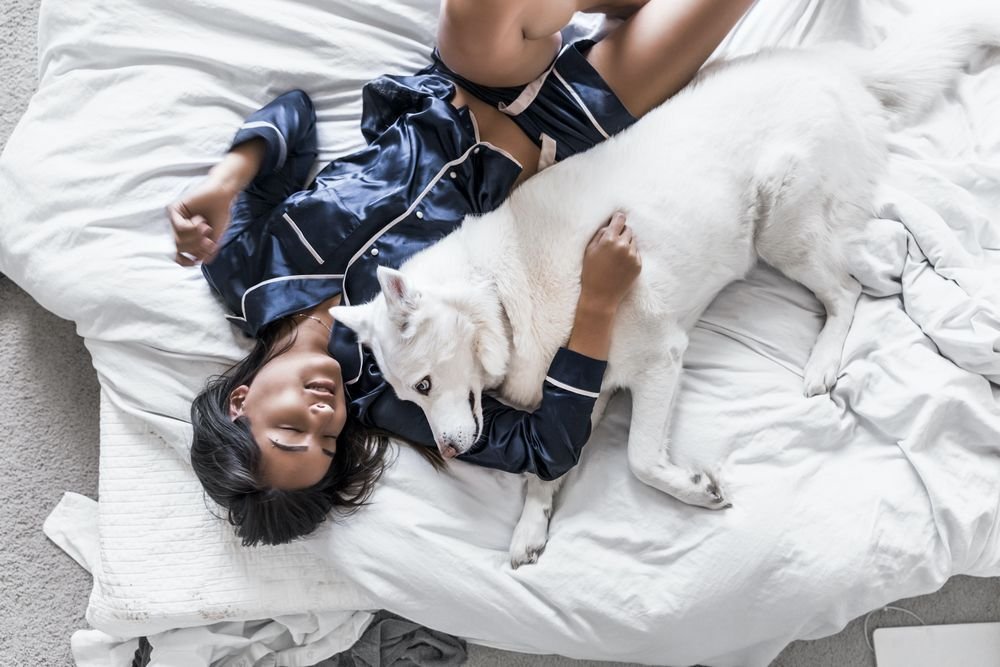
pixel 301 448
pixel 328 436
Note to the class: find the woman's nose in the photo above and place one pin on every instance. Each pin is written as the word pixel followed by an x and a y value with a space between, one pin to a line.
pixel 323 414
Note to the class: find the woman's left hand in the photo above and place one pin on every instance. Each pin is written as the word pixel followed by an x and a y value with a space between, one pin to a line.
pixel 199 219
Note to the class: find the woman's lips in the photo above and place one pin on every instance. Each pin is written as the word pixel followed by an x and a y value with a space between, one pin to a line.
pixel 323 386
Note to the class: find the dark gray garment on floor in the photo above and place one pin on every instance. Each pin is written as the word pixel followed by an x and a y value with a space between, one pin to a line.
pixel 393 641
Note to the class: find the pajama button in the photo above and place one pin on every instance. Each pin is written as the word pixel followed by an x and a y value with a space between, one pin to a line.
pixel 420 215
pixel 453 175
pixel 374 252
pixel 476 149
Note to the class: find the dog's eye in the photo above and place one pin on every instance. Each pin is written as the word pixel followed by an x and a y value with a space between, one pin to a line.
pixel 424 386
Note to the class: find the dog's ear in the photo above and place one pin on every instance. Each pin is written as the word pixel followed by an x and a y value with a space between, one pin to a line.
pixel 492 349
pixel 357 318
pixel 492 344
pixel 491 341
pixel 401 298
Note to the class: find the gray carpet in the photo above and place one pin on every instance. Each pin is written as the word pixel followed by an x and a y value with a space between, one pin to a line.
pixel 49 439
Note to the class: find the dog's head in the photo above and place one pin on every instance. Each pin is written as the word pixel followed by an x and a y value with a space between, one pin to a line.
pixel 438 346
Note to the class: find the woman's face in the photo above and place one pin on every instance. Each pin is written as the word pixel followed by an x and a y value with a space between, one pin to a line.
pixel 297 410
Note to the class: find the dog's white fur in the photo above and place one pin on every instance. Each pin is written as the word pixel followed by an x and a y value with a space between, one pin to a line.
pixel 773 156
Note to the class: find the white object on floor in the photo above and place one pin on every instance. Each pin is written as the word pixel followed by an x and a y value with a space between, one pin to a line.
pixel 966 644
pixel 834 496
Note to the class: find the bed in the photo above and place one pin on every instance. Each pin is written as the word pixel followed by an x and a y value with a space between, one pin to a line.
pixel 879 491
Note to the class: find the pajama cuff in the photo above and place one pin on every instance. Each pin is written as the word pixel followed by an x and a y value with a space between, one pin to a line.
pixel 277 145
pixel 576 373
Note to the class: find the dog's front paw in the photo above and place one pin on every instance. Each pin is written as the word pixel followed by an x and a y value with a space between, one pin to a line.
pixel 528 541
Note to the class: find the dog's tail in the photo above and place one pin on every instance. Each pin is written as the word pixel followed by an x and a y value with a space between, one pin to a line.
pixel 924 55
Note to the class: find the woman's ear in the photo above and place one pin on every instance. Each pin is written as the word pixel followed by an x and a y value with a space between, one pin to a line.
pixel 236 399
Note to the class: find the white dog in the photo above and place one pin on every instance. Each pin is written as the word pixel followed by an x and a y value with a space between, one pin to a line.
pixel 773 156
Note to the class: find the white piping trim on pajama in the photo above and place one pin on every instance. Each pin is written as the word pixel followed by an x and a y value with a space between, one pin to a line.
pixel 298 232
pixel 404 214
pixel 502 152
pixel 563 385
pixel 480 142
pixel 530 91
pixel 243 299
pixel 583 106
pixel 283 154
pixel 361 362
pixel 475 124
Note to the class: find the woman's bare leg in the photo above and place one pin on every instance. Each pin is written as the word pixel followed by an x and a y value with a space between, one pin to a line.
pixel 652 55
pixel 648 58
pixel 658 50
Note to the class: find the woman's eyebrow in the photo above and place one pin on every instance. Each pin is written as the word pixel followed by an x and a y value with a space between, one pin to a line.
pixel 297 448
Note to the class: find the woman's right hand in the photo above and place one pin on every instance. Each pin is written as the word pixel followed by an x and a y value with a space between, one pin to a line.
pixel 200 218
pixel 611 264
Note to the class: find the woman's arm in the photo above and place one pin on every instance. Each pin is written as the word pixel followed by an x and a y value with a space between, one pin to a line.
pixel 239 166
pixel 275 146
pixel 548 441
pixel 610 265
pixel 201 217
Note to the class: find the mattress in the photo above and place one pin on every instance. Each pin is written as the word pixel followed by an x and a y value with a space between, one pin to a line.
pixel 881 490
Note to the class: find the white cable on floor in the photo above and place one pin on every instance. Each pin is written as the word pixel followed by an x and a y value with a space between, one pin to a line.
pixel 886 608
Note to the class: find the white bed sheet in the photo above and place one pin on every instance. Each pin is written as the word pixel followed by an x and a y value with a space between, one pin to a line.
pixel 842 503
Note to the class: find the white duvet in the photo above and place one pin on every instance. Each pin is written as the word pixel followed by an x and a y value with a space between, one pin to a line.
pixel 879 491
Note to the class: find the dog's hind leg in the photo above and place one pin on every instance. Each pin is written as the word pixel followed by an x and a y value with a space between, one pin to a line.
pixel 810 253
pixel 840 297
pixel 532 530
pixel 800 225
pixel 653 392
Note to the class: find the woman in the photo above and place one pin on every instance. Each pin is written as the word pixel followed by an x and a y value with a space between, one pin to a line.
pixel 298 427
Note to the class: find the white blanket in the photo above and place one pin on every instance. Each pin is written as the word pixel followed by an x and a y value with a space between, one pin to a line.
pixel 842 503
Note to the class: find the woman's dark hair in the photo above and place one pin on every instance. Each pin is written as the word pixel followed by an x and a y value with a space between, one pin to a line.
pixel 226 458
